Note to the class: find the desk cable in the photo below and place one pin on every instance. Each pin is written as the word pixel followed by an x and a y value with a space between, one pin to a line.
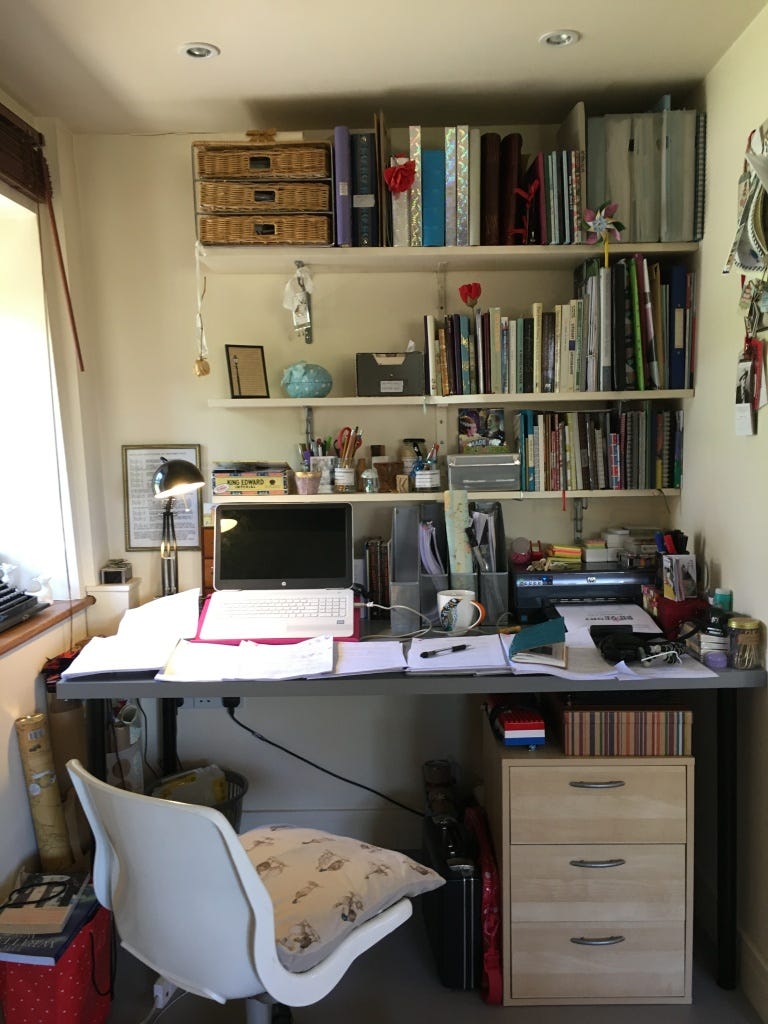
pixel 313 764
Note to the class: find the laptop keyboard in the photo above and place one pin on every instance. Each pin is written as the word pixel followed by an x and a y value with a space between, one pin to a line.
pixel 251 614
pixel 284 606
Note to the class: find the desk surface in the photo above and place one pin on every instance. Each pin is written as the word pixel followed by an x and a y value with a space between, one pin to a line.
pixel 387 684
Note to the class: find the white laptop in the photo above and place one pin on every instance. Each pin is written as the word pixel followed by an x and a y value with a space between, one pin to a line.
pixel 280 571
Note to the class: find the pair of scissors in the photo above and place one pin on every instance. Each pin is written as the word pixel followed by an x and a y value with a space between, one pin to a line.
pixel 344 439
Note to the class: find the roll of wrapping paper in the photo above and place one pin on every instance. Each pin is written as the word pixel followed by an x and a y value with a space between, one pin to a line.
pixel 43 792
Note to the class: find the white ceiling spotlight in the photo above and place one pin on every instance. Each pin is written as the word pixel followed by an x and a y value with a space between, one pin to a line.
pixel 199 51
pixel 560 37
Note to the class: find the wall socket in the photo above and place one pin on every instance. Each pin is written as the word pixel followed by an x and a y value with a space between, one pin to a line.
pixel 200 703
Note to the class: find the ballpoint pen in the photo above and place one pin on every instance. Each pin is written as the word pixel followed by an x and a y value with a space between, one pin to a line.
pixel 446 650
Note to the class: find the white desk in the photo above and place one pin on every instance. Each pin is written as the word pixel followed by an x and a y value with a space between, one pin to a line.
pixel 96 691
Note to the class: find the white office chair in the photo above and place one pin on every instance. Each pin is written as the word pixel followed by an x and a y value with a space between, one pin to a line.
pixel 190 903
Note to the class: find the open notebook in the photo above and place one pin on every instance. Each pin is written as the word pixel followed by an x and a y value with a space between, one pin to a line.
pixel 280 571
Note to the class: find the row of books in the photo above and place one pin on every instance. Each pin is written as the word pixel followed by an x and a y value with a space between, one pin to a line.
pixel 622 730
pixel 629 328
pixel 479 186
pixel 43 917
pixel 653 165
pixel 632 449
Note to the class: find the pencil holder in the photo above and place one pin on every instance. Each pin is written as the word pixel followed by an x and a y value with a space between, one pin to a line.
pixel 344 480
pixel 308 481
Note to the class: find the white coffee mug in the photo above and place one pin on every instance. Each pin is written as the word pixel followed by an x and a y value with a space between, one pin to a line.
pixel 458 610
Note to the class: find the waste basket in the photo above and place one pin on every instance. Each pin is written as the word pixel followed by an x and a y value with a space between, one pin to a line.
pixel 211 786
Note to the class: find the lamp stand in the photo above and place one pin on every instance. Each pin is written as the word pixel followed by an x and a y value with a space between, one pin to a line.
pixel 168 551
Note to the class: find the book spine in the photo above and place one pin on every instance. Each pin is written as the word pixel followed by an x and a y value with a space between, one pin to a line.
pixel 365 221
pixel 462 184
pixel 450 185
pixel 401 225
pixel 433 197
pixel 414 195
pixel 475 186
pixel 490 176
pixel 342 160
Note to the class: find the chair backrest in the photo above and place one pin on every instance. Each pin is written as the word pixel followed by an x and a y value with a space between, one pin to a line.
pixel 186 899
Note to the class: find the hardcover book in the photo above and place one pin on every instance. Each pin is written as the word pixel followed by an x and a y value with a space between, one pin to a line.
pixel 342 184
pixel 510 173
pixel 490 178
pixel 365 214
pixel 41 904
pixel 45 950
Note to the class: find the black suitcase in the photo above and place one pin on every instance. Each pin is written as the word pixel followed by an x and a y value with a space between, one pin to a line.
pixel 452 912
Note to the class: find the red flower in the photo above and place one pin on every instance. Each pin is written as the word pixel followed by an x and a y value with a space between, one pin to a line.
pixel 400 177
pixel 470 293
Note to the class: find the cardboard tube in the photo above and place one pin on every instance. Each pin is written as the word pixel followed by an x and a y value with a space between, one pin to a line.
pixel 43 792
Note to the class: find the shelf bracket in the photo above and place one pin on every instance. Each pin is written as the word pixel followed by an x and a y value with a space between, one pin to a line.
pixel 309 428
pixel 440 286
pixel 577 515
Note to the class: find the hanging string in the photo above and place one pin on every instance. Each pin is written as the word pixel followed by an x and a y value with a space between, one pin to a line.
pixel 60 260
pixel 201 365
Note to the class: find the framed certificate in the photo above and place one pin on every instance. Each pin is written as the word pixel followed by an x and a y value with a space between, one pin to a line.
pixel 143 512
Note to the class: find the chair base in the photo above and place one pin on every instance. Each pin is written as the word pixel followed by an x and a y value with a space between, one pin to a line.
pixel 260 1010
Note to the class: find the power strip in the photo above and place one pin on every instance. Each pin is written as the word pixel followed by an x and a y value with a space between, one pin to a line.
pixel 163 990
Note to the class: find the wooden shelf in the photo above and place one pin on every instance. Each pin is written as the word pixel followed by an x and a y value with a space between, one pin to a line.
pixel 267 259
pixel 537 399
pixel 359 498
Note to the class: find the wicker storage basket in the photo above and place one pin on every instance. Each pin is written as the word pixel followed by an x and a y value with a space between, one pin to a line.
pixel 291 229
pixel 263 197
pixel 259 162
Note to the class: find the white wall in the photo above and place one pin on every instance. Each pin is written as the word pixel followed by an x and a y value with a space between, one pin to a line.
pixel 726 486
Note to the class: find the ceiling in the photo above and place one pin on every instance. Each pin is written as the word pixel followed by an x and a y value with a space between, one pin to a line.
pixel 114 65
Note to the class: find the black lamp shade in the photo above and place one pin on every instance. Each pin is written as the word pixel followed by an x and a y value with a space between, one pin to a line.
pixel 176 476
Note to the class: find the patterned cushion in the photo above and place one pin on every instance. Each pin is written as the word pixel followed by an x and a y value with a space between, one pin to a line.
pixel 323 886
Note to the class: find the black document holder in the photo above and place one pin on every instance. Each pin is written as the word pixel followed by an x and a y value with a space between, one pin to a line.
pixel 409 585
pixel 494 584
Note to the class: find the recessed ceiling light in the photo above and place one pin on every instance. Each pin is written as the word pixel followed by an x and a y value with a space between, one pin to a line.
pixel 199 51
pixel 560 37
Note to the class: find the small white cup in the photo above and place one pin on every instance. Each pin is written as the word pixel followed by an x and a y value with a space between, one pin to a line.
pixel 458 611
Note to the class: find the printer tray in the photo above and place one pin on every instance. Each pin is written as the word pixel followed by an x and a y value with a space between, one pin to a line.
pixel 452 912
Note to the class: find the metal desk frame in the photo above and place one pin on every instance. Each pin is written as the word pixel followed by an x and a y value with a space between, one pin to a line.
pixel 97 691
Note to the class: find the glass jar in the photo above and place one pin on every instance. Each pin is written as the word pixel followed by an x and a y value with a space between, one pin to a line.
pixel 370 481
pixel 344 480
pixel 744 642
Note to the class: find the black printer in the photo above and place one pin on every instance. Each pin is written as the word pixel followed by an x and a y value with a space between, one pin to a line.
pixel 534 594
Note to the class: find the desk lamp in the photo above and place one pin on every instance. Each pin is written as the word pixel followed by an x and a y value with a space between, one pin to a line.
pixel 172 479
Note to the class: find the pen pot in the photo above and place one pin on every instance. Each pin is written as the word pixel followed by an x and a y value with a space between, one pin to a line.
pixel 344 480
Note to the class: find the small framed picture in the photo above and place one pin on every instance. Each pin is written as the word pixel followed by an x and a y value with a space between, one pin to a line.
pixel 247 371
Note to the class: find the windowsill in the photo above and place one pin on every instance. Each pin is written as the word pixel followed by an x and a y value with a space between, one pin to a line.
pixel 59 611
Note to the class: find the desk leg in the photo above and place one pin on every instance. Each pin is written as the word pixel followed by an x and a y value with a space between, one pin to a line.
pixel 96 736
pixel 727 752
pixel 168 754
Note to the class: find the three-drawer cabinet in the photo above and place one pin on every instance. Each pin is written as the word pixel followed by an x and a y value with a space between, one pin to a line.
pixel 595 858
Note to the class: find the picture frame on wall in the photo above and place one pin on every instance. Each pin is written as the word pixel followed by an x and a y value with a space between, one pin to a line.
pixel 143 512
pixel 247 371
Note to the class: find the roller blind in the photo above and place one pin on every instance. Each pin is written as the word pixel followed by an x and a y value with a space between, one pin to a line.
pixel 22 164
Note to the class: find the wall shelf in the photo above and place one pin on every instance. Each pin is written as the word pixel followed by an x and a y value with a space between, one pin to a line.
pixel 359 498
pixel 538 399
pixel 266 259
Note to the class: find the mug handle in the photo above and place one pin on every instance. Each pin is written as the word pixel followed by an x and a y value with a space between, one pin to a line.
pixel 481 614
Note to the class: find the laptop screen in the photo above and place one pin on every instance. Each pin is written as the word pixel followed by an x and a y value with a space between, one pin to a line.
pixel 273 546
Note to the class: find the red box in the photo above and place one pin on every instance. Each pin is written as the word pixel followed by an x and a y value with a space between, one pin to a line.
pixel 76 990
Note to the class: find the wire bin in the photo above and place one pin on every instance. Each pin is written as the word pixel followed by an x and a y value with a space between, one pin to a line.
pixel 232 806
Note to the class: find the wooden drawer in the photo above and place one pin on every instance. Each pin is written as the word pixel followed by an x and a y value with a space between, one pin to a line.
pixel 566 883
pixel 647 965
pixel 597 803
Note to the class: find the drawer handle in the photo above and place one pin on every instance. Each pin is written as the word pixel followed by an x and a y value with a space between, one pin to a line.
pixel 615 862
pixel 615 784
pixel 609 940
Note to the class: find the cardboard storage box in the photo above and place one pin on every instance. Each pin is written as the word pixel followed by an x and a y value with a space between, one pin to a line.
pixel 390 373
pixel 484 472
